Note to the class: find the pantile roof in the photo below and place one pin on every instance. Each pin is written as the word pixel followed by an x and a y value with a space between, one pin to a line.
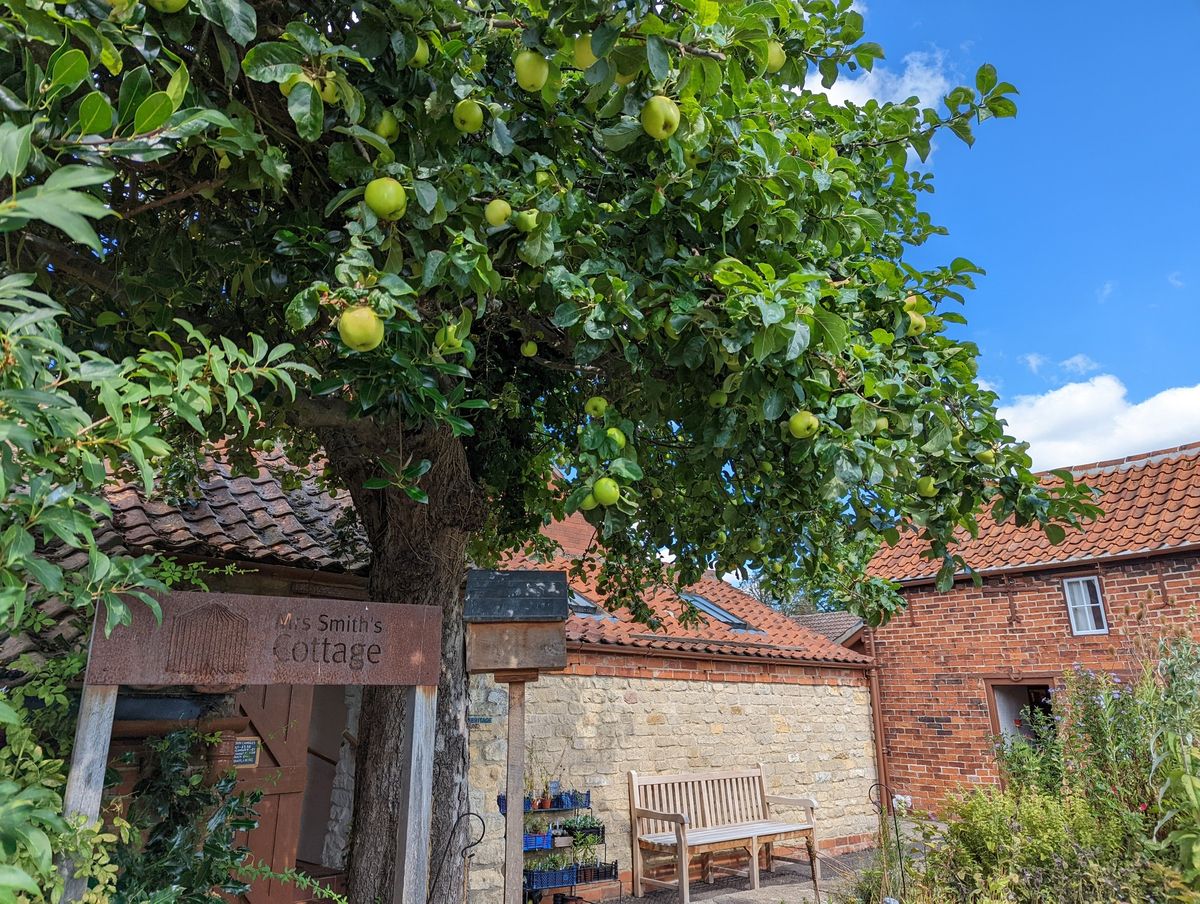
pixel 254 519
pixel 1151 505
pixel 837 626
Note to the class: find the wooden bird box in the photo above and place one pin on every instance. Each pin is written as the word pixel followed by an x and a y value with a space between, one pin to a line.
pixel 515 620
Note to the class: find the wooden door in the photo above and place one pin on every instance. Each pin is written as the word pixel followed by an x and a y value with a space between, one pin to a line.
pixel 279 716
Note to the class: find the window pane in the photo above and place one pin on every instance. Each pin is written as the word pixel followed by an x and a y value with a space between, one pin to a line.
pixel 1084 606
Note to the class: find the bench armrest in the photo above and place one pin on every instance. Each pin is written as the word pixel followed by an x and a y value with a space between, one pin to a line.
pixel 677 818
pixel 807 802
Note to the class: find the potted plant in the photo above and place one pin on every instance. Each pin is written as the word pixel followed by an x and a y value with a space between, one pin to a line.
pixel 562 838
pixel 584 824
pixel 551 871
pixel 588 867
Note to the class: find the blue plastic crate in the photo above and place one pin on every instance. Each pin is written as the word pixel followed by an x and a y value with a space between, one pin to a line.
pixel 573 800
pixel 537 879
pixel 539 841
pixel 502 803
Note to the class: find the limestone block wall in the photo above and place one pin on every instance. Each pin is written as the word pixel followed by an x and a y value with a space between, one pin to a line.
pixel 810 727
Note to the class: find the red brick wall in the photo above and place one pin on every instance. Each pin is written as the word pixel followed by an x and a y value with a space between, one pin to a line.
pixel 938 657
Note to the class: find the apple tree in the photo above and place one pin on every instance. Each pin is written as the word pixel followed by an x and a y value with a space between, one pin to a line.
pixel 524 258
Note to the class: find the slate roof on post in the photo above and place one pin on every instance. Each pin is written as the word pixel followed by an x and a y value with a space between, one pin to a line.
pixel 1151 506
pixel 255 520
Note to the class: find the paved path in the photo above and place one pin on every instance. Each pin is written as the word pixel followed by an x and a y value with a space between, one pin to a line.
pixel 789 884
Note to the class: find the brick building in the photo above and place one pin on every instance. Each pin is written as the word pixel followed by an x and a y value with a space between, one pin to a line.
pixel 957 668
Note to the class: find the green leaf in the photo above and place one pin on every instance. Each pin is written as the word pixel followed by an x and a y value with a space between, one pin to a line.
pixel 627 468
pixel 1055 533
pixel 832 327
pixel 303 309
pixel 178 85
pixel 12 877
pixel 538 247
pixel 16 146
pixel 985 78
pixel 621 135
pixel 708 12
pixel 658 58
pixel 426 194
pixel 69 71
pixel 307 111
pixel 272 61
pixel 500 139
pixel 95 114
pixel 153 113
pixel 567 314
pixel 236 16
pixel 8 715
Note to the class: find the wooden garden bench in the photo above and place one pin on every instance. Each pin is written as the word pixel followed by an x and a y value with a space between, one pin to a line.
pixel 703 813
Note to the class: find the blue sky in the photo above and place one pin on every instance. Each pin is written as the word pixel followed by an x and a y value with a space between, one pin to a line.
pixel 1084 210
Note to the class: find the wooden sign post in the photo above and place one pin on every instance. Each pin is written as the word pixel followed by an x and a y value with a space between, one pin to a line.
pixel 514 631
pixel 237 639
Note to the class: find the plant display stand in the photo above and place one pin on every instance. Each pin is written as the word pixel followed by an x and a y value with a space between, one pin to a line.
pixel 554 872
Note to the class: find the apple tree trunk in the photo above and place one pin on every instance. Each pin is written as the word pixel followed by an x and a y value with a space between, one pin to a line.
pixel 418 557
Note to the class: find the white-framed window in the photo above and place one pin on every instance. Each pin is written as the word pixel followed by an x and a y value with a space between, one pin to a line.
pixel 1085 606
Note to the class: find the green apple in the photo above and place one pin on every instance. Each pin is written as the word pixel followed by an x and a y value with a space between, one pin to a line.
pixel 584 58
pixel 387 126
pixel 722 538
pixel 927 487
pixel 617 435
pixel 497 212
pixel 717 398
pixel 525 220
pixel 607 491
pixel 596 406
pixel 329 90
pixel 656 493
pixel 468 116
pixel 912 302
pixel 692 158
pixel 168 6
pixel 986 456
pixel 766 467
pixel 532 70
pixel 386 198
pixel 776 57
pixel 292 81
pixel 756 545
pixel 589 502
pixel 660 117
pixel 882 424
pixel 916 323
pixel 803 424
pixel 529 348
pixel 360 328
pixel 420 57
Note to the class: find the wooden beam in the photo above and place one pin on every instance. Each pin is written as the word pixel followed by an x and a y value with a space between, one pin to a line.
pixel 415 829
pixel 89 760
pixel 514 825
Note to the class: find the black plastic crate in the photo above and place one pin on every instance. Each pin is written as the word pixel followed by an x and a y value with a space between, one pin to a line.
pixel 596 872
pixel 538 879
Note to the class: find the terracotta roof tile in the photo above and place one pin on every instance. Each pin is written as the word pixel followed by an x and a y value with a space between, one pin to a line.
pixel 297 527
pixel 837 626
pixel 1151 504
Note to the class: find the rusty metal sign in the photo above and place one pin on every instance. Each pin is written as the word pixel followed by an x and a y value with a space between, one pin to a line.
pixel 231 638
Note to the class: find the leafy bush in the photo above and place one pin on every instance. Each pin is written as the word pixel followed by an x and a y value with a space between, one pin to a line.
pixel 1101 801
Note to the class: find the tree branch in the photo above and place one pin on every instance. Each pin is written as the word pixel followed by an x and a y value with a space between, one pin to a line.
pixel 171 198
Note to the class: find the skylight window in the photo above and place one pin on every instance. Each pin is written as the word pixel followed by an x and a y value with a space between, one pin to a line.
pixel 581 605
pixel 711 609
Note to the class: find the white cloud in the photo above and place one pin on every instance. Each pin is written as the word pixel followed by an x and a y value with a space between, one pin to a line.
pixel 924 75
pixel 1034 361
pixel 1079 364
pixel 1175 280
pixel 1095 421
pixel 1104 293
